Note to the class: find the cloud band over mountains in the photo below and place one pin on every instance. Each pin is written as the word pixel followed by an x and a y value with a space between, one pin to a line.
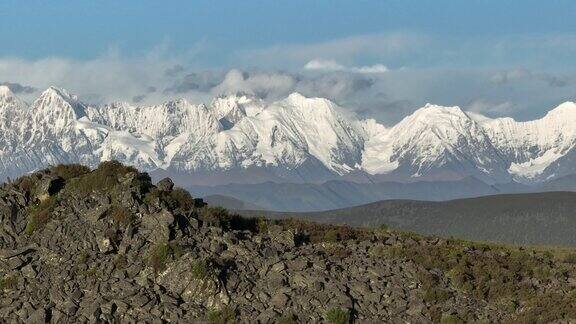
pixel 384 76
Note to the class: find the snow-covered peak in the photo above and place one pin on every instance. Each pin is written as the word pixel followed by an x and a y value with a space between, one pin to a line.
pixel 296 138
pixel 58 102
pixel 9 99
pixel 436 111
pixel 302 102
pixel 5 92
pixel 564 110
pixel 56 93
pixel 444 123
pixel 231 109
pixel 479 118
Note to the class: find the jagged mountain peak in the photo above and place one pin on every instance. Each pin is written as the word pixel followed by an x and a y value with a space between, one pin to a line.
pixel 438 111
pixel 297 99
pixel 58 101
pixel 5 91
pixel 564 110
pixel 9 99
pixel 56 92
pixel 295 138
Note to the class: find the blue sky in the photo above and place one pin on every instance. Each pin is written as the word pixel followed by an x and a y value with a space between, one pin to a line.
pixel 488 56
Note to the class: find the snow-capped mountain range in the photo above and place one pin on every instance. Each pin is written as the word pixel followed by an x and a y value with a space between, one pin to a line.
pixel 297 139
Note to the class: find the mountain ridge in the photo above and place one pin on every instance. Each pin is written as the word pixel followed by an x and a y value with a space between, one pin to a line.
pixel 296 139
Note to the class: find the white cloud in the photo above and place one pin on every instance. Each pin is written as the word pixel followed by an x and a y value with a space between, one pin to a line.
pixel 106 78
pixel 262 84
pixel 484 106
pixel 332 65
pixel 387 45
pixel 388 97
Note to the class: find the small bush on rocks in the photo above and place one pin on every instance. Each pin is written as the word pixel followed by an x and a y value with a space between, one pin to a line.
pixel 570 258
pixel 219 217
pixel 106 176
pixel 338 316
pixel 161 253
pixel 225 315
pixel 69 171
pixel 324 232
pixel 177 198
pixel 8 282
pixel 450 319
pixel 40 214
pixel 121 215
pixel 200 269
pixel 262 224
pixel 287 319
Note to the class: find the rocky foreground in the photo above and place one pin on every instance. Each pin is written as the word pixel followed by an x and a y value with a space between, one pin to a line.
pixel 109 246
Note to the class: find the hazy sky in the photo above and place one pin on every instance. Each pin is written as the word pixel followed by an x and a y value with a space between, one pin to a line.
pixel 382 59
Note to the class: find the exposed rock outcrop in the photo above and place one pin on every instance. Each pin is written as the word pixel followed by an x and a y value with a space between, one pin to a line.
pixel 109 246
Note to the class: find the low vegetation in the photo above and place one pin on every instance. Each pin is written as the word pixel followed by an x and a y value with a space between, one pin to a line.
pixel 287 319
pixel 225 315
pixel 39 214
pixel 177 198
pixel 105 177
pixel 69 171
pixel 8 282
pixel 161 253
pixel 121 215
pixel 338 316
pixel 200 269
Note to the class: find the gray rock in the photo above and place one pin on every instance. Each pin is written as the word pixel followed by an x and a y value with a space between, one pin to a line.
pixel 165 184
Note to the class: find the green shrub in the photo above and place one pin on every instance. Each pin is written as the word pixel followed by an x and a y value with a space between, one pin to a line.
pixel 262 224
pixel 8 282
pixel 120 262
pixel 570 258
pixel 315 232
pixel 182 199
pixel 69 171
pixel 287 319
pixel 488 273
pixel 158 257
pixel 338 251
pixel 338 316
pixel 40 214
pixel 433 292
pixel 547 308
pixel 450 319
pixel 200 269
pixel 331 235
pixel 121 215
pixel 161 253
pixel 225 315
pixel 83 257
pixel 215 216
pixel 177 198
pixel 219 217
pixel 105 177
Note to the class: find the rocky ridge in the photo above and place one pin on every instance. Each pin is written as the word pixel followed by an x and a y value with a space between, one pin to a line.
pixel 106 245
